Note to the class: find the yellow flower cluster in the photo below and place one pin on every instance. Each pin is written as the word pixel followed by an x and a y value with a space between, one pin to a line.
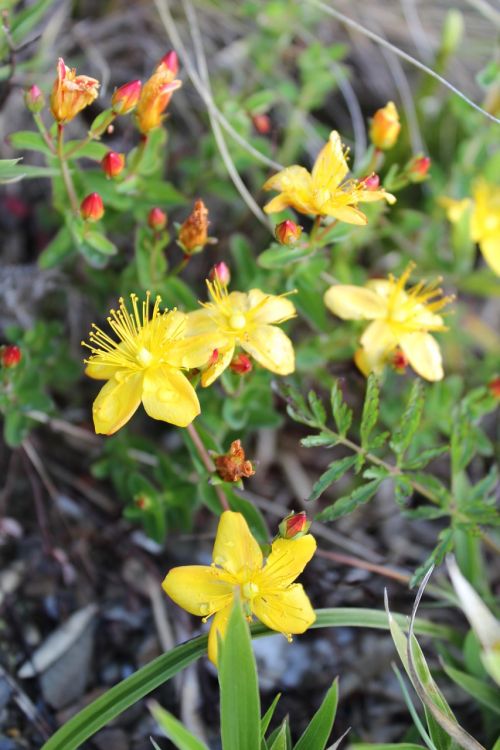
pixel 146 359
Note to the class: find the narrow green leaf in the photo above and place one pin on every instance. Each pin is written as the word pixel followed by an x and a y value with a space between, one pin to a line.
pixel 27 19
pixel 409 422
pixel 342 414
pixel 266 719
pixel 316 441
pixel 58 248
pixel 424 457
pixel 316 735
pixel 239 689
pixel 278 256
pixel 336 470
pixel 280 740
pixel 101 243
pixel 28 140
pixel 485 694
pixel 317 407
pixel 370 410
pixel 344 505
pixel 388 746
pixel 174 730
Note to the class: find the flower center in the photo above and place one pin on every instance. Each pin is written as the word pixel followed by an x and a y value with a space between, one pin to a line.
pixel 249 590
pixel 237 321
pixel 144 357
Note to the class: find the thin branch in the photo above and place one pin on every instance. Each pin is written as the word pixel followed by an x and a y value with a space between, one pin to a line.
pixel 207 462
pixel 400 53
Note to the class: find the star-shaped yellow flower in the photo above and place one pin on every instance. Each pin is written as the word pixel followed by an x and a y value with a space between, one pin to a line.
pixel 324 191
pixel 243 319
pixel 266 589
pixel 144 364
pixel 400 319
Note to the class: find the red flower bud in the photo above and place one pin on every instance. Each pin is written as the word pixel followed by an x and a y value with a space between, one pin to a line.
pixel 418 168
pixel 262 123
pixel 112 164
pixel 143 502
pixel 34 99
pixel 171 61
pixel 91 207
pixel 372 182
pixel 494 386
pixel 221 272
pixel 288 232
pixel 157 219
pixel 10 355
pixel 294 526
pixel 399 361
pixel 241 364
pixel 126 97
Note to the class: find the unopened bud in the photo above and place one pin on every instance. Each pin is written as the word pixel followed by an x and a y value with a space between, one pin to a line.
pixel 125 99
pixel 294 526
pixel 385 127
pixel 193 234
pixel 233 466
pixel 112 164
pixel 399 361
pixel 372 182
pixel 10 355
pixel 157 219
pixel 288 232
pixel 241 364
pixel 171 61
pixel 494 387
pixel 142 501
pixel 34 99
pixel 91 207
pixel 418 168
pixel 262 123
pixel 221 272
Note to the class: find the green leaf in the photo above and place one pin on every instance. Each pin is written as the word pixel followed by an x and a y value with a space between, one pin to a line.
pixel 370 410
pixel 101 243
pixel 485 694
pixel 388 746
pixel 336 470
pixel 436 557
pixel 174 730
pixel 315 441
pixel 57 250
pixel 93 150
pixel 424 457
pixel 280 739
pixel 279 256
pixel 317 407
pixel 27 19
pixel 246 266
pixel 342 414
pixel 316 735
pixel 266 719
pixel 239 690
pixel 344 505
pixel 28 140
pixel 409 422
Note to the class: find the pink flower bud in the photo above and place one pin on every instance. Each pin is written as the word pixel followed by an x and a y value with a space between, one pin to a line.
pixel 171 61
pixel 294 526
pixel 112 164
pixel 126 97
pixel 288 232
pixel 10 355
pixel 418 168
pixel 372 182
pixel 494 387
pixel 262 123
pixel 91 207
pixel 34 99
pixel 241 364
pixel 221 272
pixel 157 219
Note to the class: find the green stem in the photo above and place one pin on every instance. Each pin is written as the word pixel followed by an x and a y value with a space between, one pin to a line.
pixel 180 266
pixel 68 182
pixel 92 135
pixel 207 462
pixel 139 154
pixel 43 131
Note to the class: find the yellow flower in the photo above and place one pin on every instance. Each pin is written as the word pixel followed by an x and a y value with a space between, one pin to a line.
pixel 238 569
pixel 246 320
pixel 400 319
pixel 485 222
pixel 324 191
pixel 143 365
pixel 71 93
pixel 156 94
pixel 385 127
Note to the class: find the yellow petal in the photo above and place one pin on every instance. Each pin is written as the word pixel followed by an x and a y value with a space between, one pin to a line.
pixel 454 208
pixel 271 308
pixel 361 362
pixel 200 322
pixel 348 214
pixel 290 180
pixel 370 196
pixel 168 395
pixel 199 589
pixel 377 341
pixel 194 351
pixel 382 287
pixel 235 548
pixel 219 625
pixel 277 204
pixel 99 371
pixel 287 611
pixel 423 354
pixel 490 248
pixel 117 400
pixel 271 348
pixel 330 167
pixel 355 302
pixel 223 360
pixel 287 560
